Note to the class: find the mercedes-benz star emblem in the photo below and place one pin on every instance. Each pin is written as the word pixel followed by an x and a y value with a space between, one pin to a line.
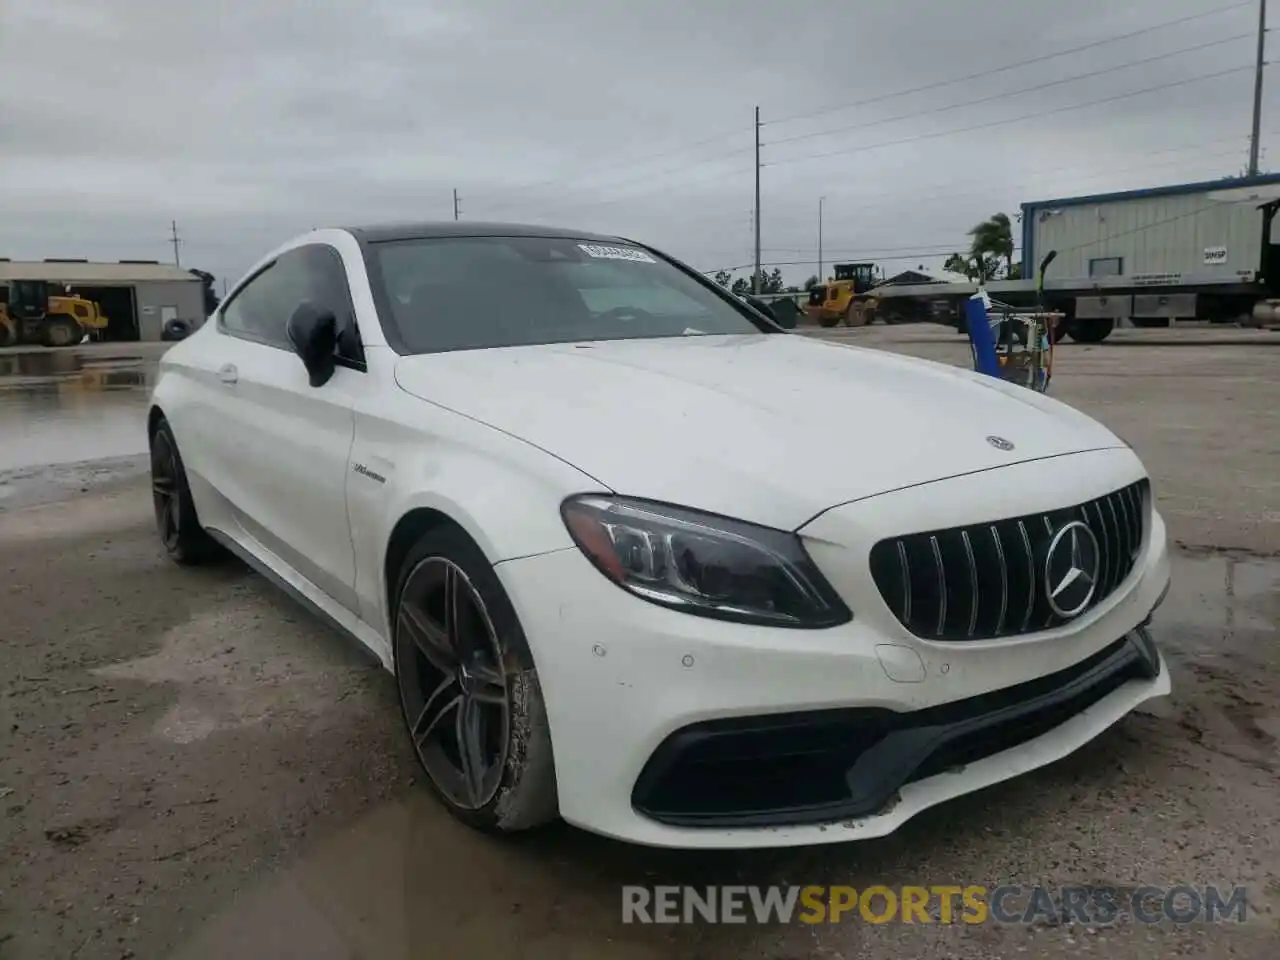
pixel 1000 443
pixel 1071 570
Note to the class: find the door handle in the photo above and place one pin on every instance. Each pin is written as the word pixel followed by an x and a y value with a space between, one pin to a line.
pixel 228 373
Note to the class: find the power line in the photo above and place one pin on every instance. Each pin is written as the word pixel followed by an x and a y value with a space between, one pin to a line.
pixel 1013 93
pixel 1088 172
pixel 649 175
pixel 1013 66
pixel 943 186
pixel 999 123
pixel 946 191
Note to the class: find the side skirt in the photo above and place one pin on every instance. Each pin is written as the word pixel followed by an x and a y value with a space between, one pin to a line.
pixel 310 597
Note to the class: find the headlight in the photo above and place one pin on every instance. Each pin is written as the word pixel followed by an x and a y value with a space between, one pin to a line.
pixel 703 564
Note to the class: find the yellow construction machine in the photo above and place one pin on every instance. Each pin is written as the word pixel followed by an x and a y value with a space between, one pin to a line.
pixel 29 313
pixel 846 298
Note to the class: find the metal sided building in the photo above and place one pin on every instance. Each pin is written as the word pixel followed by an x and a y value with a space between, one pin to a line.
pixel 1209 235
pixel 137 296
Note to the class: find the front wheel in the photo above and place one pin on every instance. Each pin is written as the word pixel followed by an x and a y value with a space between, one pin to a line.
pixel 469 692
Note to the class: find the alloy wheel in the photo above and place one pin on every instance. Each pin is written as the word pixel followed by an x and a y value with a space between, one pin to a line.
pixel 453 684
pixel 164 490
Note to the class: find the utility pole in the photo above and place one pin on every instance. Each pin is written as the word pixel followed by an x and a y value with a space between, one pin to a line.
pixel 820 200
pixel 755 277
pixel 1257 89
pixel 176 241
pixel 455 203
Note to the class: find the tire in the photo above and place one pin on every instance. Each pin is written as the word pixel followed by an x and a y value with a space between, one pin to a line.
pixel 184 539
pixel 1090 331
pixel 855 315
pixel 61 331
pixel 828 322
pixel 480 673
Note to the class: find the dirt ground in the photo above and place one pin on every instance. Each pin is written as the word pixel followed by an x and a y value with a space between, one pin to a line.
pixel 192 767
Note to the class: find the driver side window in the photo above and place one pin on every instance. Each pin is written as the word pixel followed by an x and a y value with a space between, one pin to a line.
pixel 314 274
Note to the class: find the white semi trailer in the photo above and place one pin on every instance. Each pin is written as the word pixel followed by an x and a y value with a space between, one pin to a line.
pixel 1198 251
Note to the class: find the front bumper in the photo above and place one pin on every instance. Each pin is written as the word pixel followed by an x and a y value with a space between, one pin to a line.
pixel 671 730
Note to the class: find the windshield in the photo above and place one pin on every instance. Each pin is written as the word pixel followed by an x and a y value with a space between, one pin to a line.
pixel 474 292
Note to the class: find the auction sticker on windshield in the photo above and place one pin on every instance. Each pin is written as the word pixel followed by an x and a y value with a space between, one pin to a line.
pixel 601 252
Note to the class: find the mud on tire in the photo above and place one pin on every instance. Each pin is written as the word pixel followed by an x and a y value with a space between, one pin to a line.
pixel 463 654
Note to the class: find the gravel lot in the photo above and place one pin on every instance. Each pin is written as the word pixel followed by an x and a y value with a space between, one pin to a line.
pixel 192 767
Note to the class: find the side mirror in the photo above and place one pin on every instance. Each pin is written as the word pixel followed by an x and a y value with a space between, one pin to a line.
pixel 1048 259
pixel 313 332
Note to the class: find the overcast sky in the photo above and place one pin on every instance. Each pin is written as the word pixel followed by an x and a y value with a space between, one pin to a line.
pixel 248 121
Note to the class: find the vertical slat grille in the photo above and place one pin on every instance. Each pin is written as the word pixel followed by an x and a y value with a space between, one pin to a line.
pixel 988 580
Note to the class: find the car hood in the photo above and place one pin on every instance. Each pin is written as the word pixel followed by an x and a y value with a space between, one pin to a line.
pixel 769 428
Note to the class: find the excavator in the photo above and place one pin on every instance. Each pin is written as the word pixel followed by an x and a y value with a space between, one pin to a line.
pixel 846 297
pixel 30 314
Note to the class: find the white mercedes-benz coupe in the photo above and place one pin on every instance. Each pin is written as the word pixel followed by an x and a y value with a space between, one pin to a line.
pixel 640 558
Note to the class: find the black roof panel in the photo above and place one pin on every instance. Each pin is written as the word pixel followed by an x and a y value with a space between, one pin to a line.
pixel 421 230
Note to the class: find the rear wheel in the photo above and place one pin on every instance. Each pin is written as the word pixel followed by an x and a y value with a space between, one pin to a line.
pixel 469 692
pixel 1090 331
pixel 184 539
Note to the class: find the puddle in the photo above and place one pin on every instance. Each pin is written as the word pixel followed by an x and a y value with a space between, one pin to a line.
pixel 69 406
pixel 1220 605
pixel 59 363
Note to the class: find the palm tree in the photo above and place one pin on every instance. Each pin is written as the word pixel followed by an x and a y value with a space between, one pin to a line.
pixel 993 237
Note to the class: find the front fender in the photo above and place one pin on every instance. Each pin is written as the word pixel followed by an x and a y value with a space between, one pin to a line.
pixel 423 460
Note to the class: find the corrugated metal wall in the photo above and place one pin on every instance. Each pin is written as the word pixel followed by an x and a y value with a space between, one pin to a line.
pixel 1153 235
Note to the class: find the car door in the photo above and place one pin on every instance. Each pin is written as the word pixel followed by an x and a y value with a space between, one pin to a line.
pixel 284 448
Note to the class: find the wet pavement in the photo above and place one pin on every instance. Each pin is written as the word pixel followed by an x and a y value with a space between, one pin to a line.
pixel 405 881
pixel 73 405
pixel 194 768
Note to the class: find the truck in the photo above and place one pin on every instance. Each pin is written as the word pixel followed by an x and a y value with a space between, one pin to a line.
pixel 31 314
pixel 1195 251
